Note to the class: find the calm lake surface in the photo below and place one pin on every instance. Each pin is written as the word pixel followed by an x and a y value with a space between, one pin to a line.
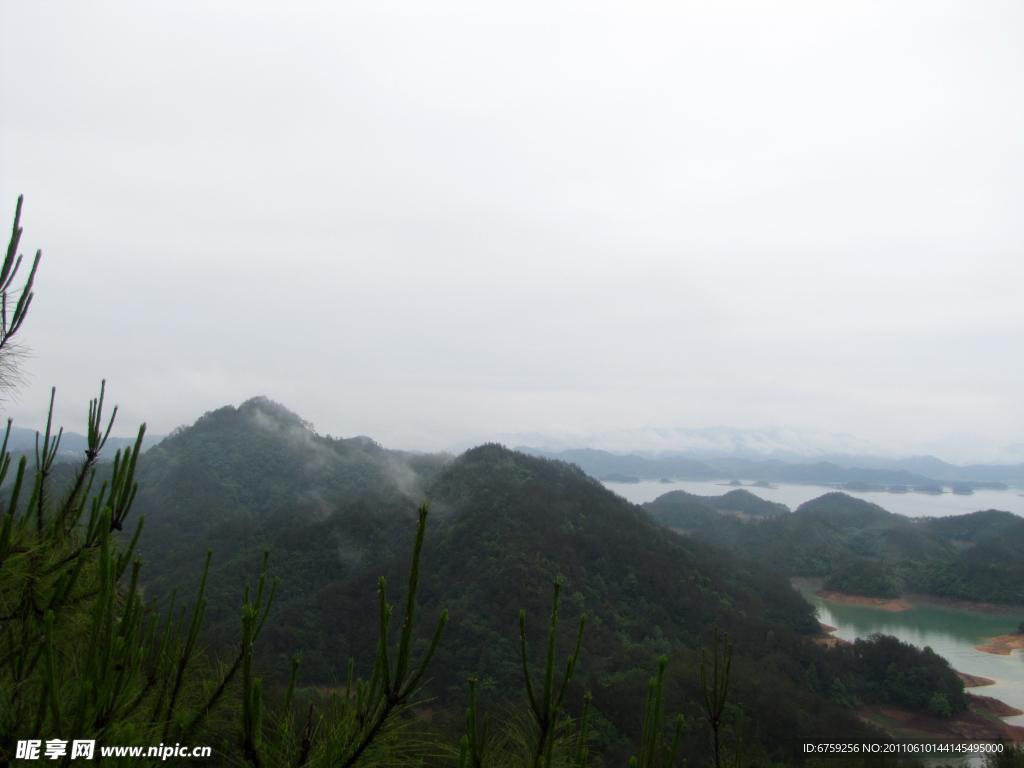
pixel 951 632
pixel 911 504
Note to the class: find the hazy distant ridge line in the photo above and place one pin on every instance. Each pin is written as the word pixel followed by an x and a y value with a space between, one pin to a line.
pixel 73 445
pixel 600 463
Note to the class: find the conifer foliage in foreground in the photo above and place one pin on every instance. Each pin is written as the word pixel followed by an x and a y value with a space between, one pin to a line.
pixel 82 657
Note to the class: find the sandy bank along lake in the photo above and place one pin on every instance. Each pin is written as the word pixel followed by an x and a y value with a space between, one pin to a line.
pixel 885 604
pixel 1004 644
pixel 954 632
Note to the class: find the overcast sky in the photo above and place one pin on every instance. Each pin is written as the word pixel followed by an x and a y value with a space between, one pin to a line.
pixel 439 223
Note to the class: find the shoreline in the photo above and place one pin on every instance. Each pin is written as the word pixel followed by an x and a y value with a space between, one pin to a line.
pixel 825 638
pixel 980 722
pixel 907 601
pixel 967 605
pixel 977 681
pixel 888 604
pixel 1003 645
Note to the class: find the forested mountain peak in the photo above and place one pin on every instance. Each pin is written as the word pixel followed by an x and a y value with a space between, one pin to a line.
pixel 265 457
pixel 240 479
pixel 842 510
pixel 679 509
pixel 986 525
pixel 525 521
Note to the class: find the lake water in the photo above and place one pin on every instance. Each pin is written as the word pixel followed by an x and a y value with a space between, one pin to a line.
pixel 951 632
pixel 792 495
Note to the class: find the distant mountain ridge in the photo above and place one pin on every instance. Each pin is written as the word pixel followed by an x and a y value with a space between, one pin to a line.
pixel 792 446
pixel 601 463
pixel 72 444
pixel 916 471
pixel 935 468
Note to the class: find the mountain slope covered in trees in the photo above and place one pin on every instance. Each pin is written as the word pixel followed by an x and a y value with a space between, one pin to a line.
pixel 336 514
pixel 864 549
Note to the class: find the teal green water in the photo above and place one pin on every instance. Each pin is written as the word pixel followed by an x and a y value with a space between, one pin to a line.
pixel 951 632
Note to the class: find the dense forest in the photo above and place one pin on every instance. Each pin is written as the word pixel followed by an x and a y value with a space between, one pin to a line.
pixel 863 549
pixel 336 514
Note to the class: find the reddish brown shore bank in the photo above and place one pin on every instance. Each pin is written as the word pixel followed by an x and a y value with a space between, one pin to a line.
pixel 815 582
pixel 1003 644
pixel 975 681
pixel 898 604
pixel 979 723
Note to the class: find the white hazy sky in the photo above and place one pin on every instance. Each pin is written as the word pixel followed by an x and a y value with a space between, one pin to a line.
pixel 439 222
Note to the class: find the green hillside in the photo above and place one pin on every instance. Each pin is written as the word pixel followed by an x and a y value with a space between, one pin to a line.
pixel 990 567
pixel 336 514
pixel 264 457
pixel 863 549
pixel 679 509
pixel 243 479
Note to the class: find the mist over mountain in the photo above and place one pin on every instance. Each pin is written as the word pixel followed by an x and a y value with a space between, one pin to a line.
pixel 698 454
